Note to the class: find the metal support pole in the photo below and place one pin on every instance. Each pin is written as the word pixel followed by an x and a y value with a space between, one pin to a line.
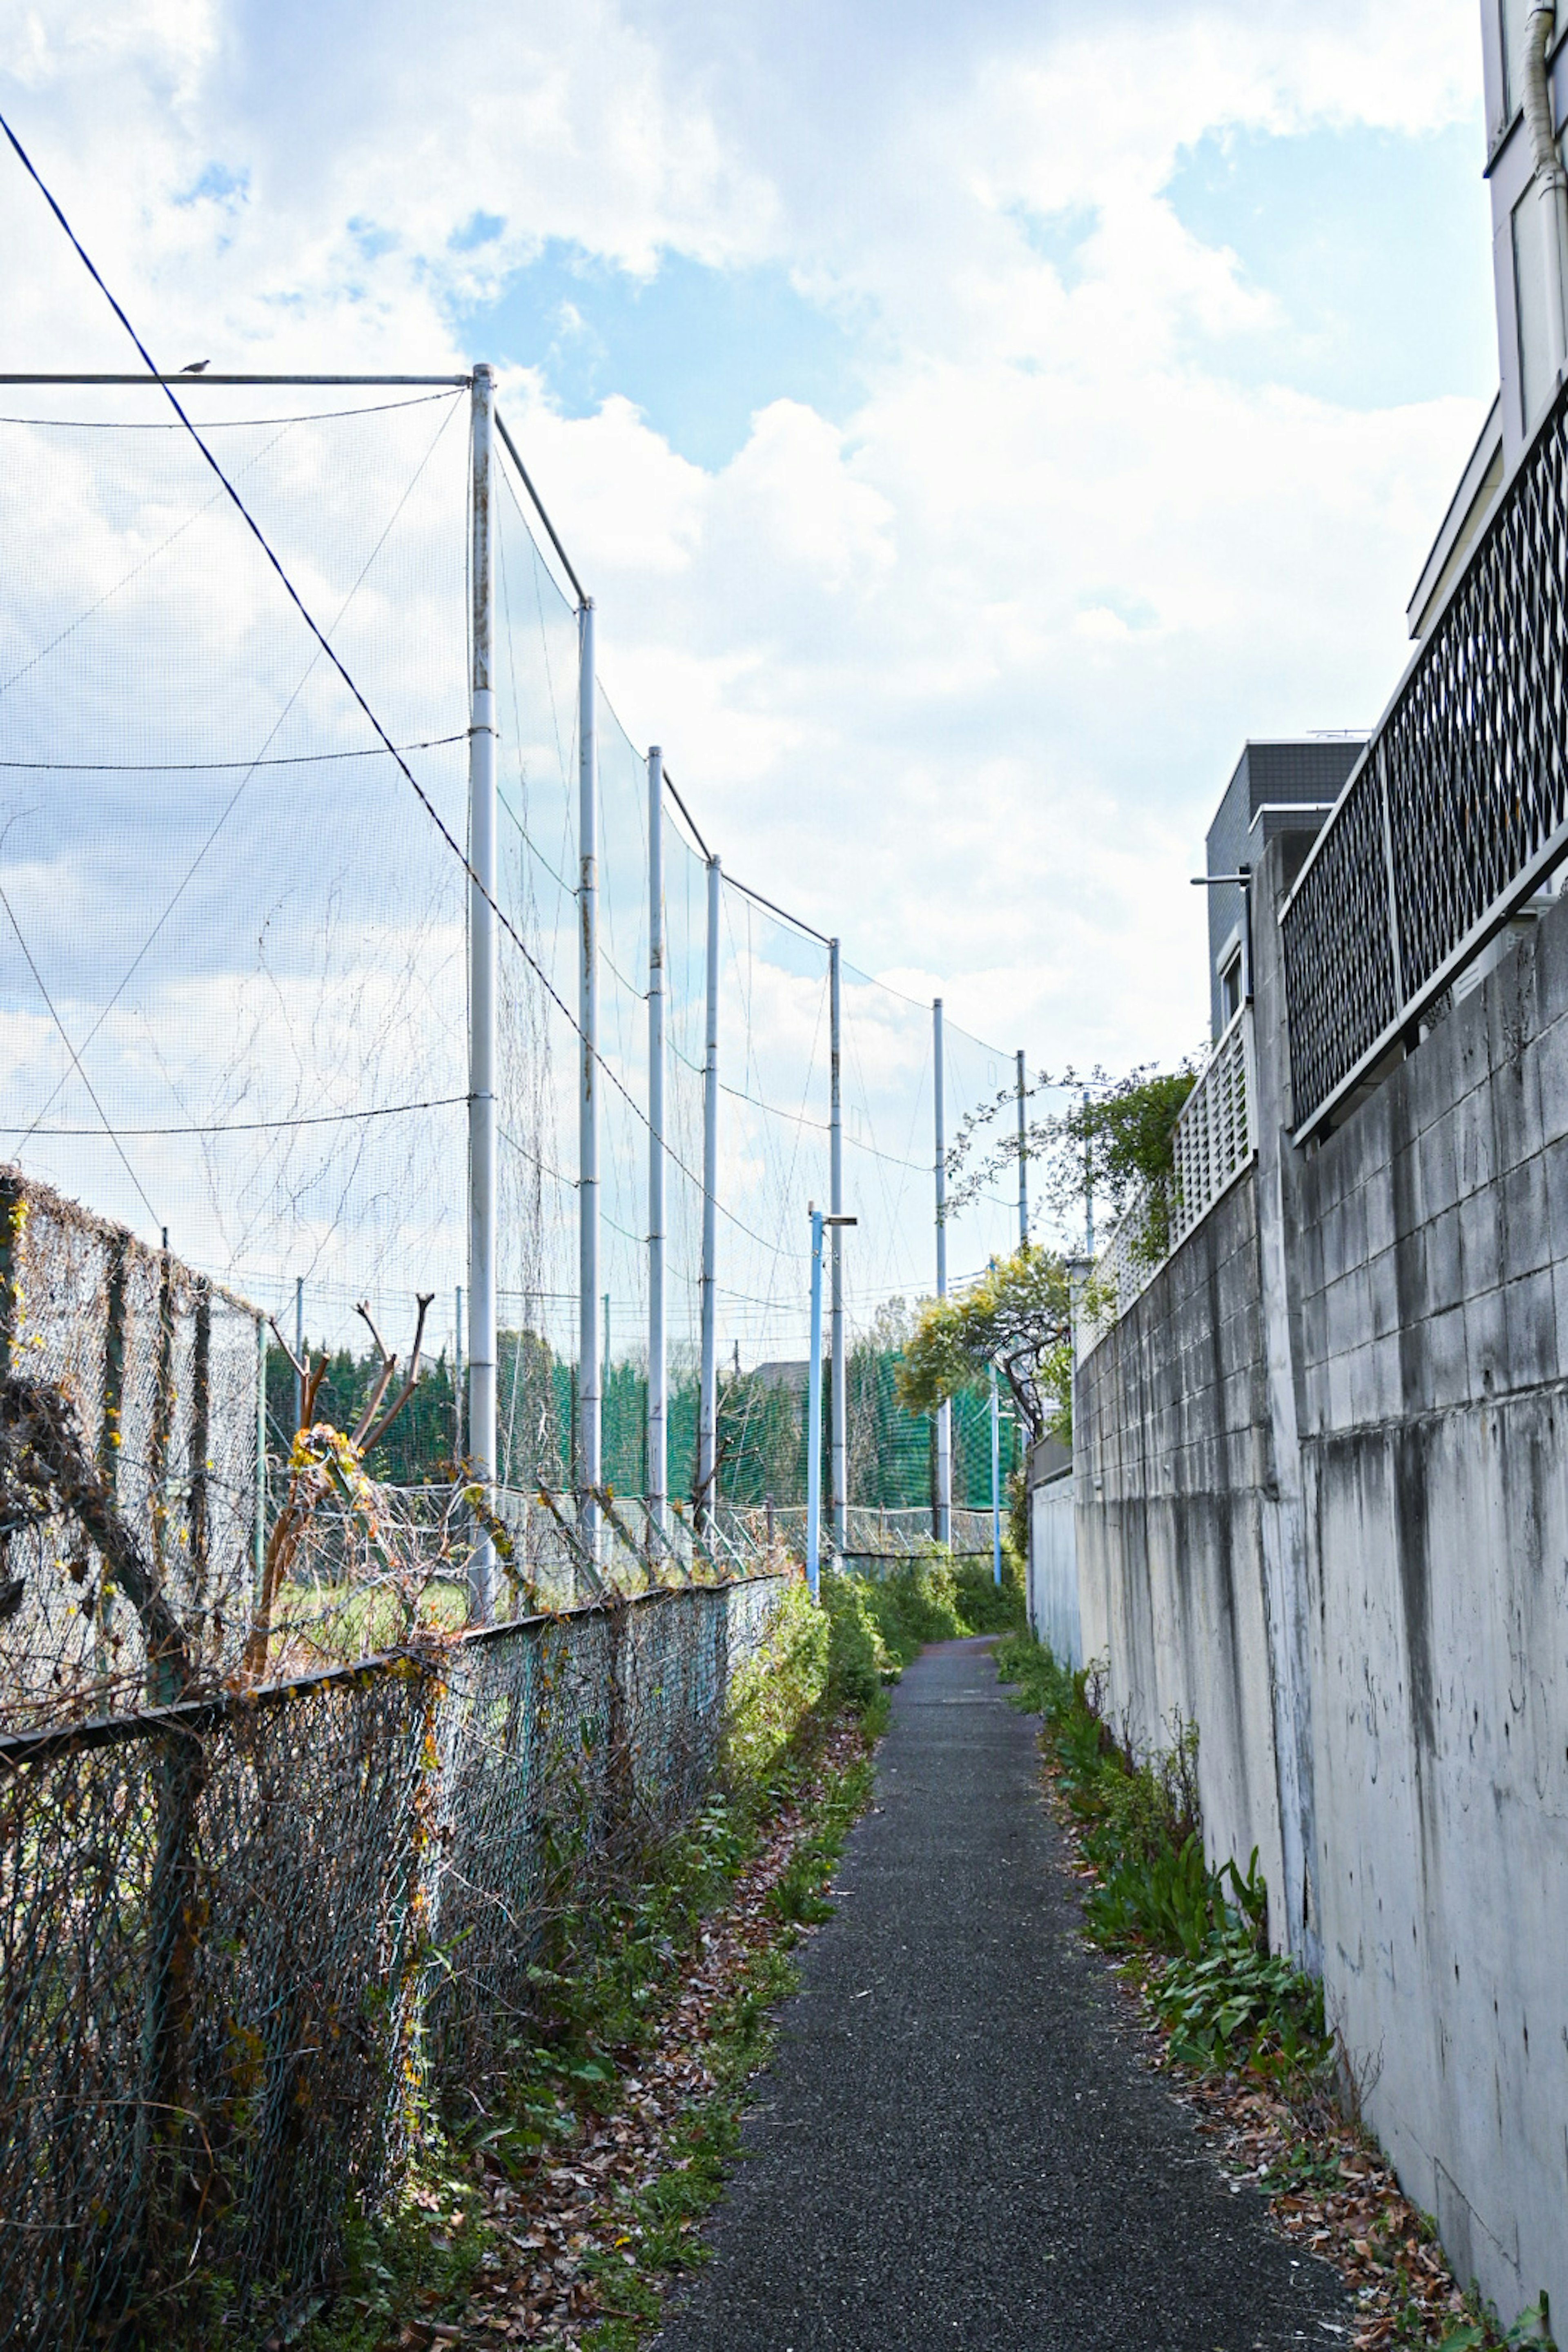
pixel 996 1482
pixel 706 1422
pixel 1088 1187
pixel 298 1350
pixel 482 993
pixel 658 1479
pixel 944 1528
pixel 258 1533
pixel 458 1383
pixel 840 1489
pixel 589 1459
pixel 1023 1158
pixel 813 1415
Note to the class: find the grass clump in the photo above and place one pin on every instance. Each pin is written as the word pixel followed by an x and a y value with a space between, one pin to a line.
pixel 1196 1939
pixel 1239 2018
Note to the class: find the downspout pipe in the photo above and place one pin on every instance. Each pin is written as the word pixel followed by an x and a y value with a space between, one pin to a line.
pixel 1552 181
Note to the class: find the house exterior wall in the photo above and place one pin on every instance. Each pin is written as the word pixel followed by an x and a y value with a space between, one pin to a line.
pixel 1323 1480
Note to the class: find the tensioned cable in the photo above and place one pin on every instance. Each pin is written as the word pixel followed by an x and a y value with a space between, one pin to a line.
pixel 336 660
pixel 205 767
pixel 782 913
pixel 247 1126
pixel 223 423
pixel 76 1058
pixel 249 768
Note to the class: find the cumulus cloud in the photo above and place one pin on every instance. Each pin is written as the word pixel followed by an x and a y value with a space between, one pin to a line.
pixel 961 668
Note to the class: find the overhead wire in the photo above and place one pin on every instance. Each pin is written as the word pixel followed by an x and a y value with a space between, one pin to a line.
pixel 337 664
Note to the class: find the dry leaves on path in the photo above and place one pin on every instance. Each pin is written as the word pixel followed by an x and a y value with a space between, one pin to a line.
pixel 577 2203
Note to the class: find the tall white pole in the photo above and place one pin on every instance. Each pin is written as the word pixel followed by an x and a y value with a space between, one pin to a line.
pixel 482 993
pixel 1088 1184
pixel 995 1481
pixel 813 1415
pixel 458 1425
pixel 708 1416
pixel 944 1529
pixel 588 1376
pixel 836 1210
pixel 1023 1157
pixel 299 1350
pixel 657 1373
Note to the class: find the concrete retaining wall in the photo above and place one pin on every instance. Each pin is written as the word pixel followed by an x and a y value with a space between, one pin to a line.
pixel 1323 1484
pixel 1053 1570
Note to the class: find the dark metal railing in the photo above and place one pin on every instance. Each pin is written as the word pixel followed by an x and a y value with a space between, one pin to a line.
pixel 1458 808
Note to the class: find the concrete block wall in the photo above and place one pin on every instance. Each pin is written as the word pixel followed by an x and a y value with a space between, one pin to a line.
pixel 1171 1456
pixel 1434 1381
pixel 1324 1509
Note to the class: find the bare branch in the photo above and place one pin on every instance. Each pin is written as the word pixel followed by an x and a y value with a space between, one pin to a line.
pixel 299 1368
pixel 365 1442
pixel 361 1310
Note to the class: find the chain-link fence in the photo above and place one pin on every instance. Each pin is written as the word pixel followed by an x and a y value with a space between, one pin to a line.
pixel 237 1935
pixel 131 1474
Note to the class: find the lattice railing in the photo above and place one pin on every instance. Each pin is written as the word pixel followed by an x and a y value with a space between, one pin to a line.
pixel 1213 1139
pixel 1459 807
pixel 1214 1142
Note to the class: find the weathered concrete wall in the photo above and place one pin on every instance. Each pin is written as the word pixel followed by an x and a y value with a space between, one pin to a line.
pixel 1328 1515
pixel 1053 1569
pixel 1433 1263
pixel 1172 1459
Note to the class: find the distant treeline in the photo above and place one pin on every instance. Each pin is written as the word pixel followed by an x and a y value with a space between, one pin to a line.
pixel 761 1427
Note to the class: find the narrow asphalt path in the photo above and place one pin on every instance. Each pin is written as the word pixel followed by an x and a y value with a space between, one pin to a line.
pixel 958 2143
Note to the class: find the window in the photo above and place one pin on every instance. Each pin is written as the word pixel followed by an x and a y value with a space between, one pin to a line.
pixel 1230 990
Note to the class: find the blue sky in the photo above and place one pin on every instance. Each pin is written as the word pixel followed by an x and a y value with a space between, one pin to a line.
pixel 698 349
pixel 971 424
pixel 1372 246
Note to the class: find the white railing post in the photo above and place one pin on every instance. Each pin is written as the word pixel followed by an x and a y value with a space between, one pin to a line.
pixel 657 1402
pixel 481 1382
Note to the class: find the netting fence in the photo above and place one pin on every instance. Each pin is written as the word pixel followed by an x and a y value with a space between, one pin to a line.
pixel 282 1829
pixel 233 952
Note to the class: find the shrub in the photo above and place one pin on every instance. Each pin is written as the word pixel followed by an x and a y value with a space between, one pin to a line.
pixel 773 1690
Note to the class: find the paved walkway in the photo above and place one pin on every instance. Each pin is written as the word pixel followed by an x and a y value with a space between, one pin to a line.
pixel 958 2143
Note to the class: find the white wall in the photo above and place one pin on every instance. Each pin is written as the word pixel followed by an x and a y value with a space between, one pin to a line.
pixel 1053 1570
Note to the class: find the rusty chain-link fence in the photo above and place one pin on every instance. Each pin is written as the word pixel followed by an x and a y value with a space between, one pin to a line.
pixel 250 1914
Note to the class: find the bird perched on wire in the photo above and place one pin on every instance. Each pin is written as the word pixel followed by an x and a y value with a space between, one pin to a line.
pixel 195 367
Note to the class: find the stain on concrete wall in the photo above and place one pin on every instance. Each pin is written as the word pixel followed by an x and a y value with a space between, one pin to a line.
pixel 1426 1320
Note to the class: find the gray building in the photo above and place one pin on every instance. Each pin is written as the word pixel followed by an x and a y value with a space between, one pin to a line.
pixel 1278 787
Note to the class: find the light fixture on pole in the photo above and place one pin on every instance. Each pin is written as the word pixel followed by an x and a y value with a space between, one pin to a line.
pixel 814 1403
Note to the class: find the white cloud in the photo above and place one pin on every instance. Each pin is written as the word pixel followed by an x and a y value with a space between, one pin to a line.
pixel 961 674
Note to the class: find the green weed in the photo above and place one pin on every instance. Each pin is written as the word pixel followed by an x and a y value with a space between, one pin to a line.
pixel 1198 1937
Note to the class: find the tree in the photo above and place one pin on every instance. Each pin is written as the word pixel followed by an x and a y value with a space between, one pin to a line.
pixel 1018 1316
pixel 1111 1146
